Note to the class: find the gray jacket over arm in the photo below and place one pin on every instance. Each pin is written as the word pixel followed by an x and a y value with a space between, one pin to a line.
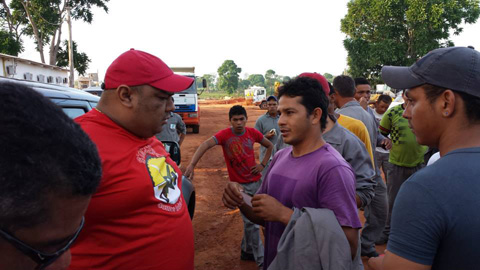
pixel 354 152
pixel 313 239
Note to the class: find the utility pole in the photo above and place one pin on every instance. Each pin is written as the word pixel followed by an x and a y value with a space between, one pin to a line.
pixel 70 49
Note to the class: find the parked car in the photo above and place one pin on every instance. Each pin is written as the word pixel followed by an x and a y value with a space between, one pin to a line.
pixel 94 90
pixel 76 102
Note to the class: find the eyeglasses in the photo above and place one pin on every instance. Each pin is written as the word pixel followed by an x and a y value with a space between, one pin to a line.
pixel 42 259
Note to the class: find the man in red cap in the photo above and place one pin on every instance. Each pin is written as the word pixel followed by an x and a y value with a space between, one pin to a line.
pixel 138 218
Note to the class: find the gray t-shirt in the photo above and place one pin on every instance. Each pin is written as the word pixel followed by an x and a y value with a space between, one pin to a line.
pixel 436 217
pixel 171 129
pixel 264 124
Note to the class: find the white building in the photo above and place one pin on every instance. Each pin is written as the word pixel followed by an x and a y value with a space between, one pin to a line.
pixel 23 69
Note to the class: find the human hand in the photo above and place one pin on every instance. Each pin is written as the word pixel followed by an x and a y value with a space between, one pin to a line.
pixel 375 263
pixel 387 143
pixel 269 209
pixel 189 172
pixel 232 196
pixel 363 102
pixel 257 169
pixel 270 134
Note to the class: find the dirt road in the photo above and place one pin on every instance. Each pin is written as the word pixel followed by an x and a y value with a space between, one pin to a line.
pixel 218 230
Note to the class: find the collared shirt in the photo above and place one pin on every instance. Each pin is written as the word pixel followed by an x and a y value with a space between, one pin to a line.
pixel 264 124
pixel 171 129
pixel 355 153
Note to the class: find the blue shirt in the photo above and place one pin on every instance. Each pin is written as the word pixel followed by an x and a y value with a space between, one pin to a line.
pixel 436 215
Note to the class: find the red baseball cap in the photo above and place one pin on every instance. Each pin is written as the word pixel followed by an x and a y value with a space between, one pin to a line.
pixel 135 67
pixel 323 82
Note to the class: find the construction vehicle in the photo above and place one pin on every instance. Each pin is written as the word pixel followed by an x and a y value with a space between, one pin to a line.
pixel 186 102
pixel 258 96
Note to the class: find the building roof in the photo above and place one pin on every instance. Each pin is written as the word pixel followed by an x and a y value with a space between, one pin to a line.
pixel 30 62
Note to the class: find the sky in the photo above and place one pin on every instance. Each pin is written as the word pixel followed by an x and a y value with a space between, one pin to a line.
pixel 289 37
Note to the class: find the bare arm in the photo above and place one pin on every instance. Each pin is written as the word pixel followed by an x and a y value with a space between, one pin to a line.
pixel 182 137
pixel 269 145
pixel 352 238
pixel 391 261
pixel 259 167
pixel 198 154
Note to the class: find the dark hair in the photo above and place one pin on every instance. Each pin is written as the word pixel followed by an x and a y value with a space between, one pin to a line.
pixel 472 103
pixel 312 95
pixel 44 155
pixel 237 110
pixel 332 90
pixel 361 80
pixel 385 98
pixel 344 85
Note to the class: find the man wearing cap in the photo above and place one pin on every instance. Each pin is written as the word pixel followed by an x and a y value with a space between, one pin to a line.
pixel 138 218
pixel 267 124
pixel 435 218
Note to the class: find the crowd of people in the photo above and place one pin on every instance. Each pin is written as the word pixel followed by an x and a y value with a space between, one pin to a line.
pixel 101 192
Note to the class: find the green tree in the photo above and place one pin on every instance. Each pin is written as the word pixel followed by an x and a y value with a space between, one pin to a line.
pixel 270 79
pixel 43 20
pixel 9 44
pixel 80 59
pixel 328 76
pixel 256 79
pixel 243 84
pixel 285 79
pixel 398 32
pixel 210 78
pixel 228 74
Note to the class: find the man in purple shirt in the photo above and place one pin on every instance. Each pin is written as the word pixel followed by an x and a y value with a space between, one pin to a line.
pixel 311 173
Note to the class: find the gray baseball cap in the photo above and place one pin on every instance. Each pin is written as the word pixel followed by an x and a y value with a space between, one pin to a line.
pixel 455 68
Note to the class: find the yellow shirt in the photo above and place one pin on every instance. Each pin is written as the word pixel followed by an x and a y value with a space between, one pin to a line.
pixel 358 128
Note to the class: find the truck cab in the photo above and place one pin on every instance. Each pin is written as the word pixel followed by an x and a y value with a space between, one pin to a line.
pixel 186 102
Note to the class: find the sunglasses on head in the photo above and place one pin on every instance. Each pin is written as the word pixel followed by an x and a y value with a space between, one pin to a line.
pixel 42 259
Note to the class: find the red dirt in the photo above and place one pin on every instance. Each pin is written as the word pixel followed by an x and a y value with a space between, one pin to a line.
pixel 218 230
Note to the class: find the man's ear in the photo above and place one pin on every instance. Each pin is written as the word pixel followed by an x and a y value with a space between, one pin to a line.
pixel 126 95
pixel 316 115
pixel 447 103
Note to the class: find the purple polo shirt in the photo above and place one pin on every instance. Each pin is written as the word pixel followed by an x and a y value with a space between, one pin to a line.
pixel 320 179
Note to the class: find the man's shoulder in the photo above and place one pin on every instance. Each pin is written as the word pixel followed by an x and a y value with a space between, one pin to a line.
pixel 262 117
pixel 329 158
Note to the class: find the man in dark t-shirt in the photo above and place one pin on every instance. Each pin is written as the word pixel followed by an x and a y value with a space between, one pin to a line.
pixel 435 218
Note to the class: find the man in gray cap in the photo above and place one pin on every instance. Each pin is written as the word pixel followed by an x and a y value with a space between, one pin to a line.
pixel 435 218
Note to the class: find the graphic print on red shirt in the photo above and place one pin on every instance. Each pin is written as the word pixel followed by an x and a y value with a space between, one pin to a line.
pixel 239 154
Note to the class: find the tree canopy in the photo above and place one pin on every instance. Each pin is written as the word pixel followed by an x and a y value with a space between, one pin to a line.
pixel 398 32
pixel 42 20
pixel 256 79
pixel 80 60
pixel 228 74
pixel 210 78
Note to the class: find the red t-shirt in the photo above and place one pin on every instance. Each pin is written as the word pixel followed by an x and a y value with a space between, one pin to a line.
pixel 239 154
pixel 138 218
